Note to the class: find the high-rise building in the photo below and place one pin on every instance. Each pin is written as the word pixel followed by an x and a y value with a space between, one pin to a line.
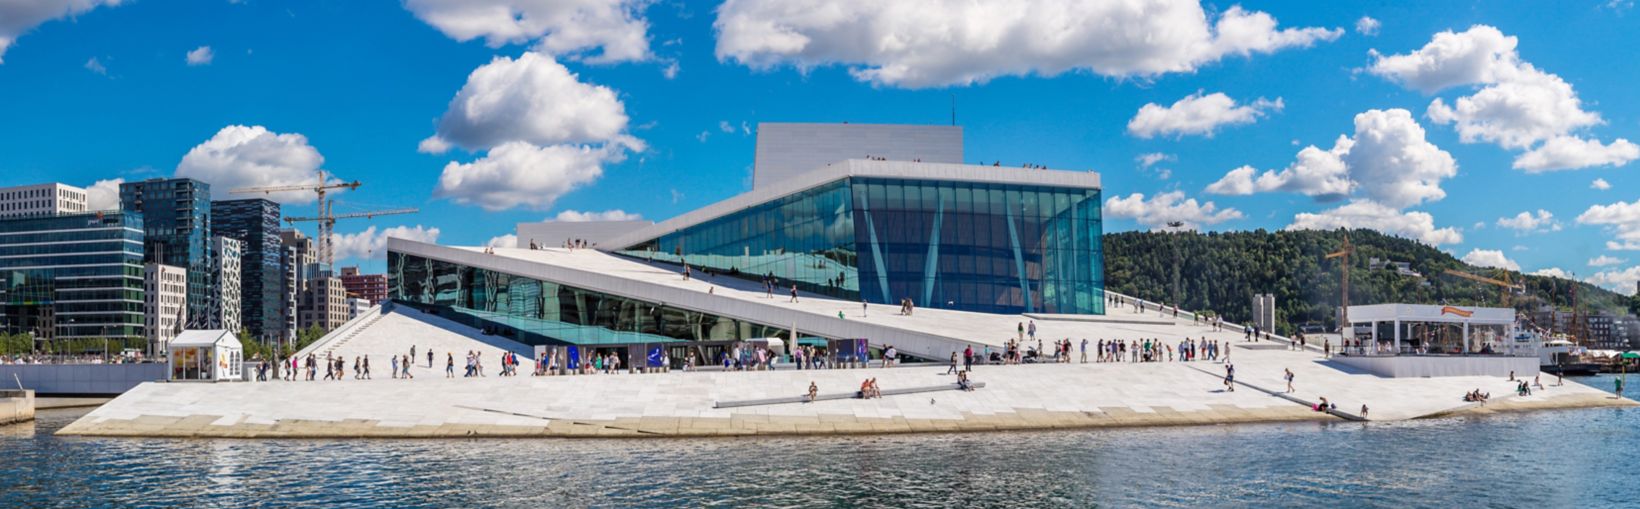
pixel 371 287
pixel 298 260
pixel 176 217
pixel 41 200
pixel 224 305
pixel 165 304
pixel 324 304
pixel 255 224
pixel 76 276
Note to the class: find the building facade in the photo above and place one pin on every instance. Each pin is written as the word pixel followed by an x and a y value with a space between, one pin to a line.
pixel 76 276
pixel 255 224
pixel 297 260
pixel 323 304
pixel 176 215
pixel 224 304
pixel 165 304
pixel 370 287
pixel 42 200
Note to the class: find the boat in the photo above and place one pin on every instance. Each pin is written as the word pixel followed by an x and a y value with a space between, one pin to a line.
pixel 1563 357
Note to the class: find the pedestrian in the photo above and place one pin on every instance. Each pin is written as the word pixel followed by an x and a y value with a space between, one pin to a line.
pixel 1084 350
pixel 406 368
pixel 953 369
pixel 794 292
pixel 367 367
pixel 395 360
pixel 429 358
pixel 1289 377
pixel 449 365
pixel 863 308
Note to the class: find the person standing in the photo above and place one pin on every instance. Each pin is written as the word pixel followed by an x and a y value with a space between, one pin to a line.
pixel 794 292
pixel 968 358
pixel 449 365
pixel 406 368
pixel 395 360
pixel 429 358
pixel 863 308
pixel 1031 330
pixel 1288 376
pixel 1084 350
pixel 953 369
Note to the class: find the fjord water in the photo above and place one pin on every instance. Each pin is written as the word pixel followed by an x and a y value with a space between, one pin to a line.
pixel 1572 458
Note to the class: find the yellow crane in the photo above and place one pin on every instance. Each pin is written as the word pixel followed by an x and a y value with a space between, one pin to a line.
pixel 1505 283
pixel 1344 251
pixel 326 219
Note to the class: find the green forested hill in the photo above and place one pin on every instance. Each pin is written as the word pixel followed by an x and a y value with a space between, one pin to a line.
pixel 1221 271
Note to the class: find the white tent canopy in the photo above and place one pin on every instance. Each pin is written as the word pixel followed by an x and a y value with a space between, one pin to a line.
pixel 213 355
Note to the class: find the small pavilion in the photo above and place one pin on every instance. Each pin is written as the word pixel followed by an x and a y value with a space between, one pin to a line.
pixel 1434 329
pixel 209 355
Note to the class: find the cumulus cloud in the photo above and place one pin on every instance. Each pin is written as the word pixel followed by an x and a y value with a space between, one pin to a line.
pixel 252 156
pixel 1604 261
pixel 1387 161
pixel 17 17
pixel 1620 281
pixel 104 194
pixel 1553 272
pixel 1169 207
pixel 518 174
pixel 930 43
pixel 1150 159
pixel 372 243
pixel 1367 26
pixel 1197 114
pixel 1489 258
pixel 599 31
pixel 96 66
pixel 1621 218
pixel 201 56
pixel 1600 184
pixel 576 216
pixel 1516 106
pixel 508 240
pixel 1418 226
pixel 1571 152
pixel 534 99
pixel 1526 222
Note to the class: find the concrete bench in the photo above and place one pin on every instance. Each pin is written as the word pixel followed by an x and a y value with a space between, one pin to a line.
pixel 839 395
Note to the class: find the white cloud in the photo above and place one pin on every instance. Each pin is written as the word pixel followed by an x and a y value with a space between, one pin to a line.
pixel 533 99
pixel 1553 272
pixel 1570 152
pixel 723 125
pixel 615 28
pixel 703 136
pixel 1418 226
pixel 1489 258
pixel 372 243
pixel 1168 207
pixel 508 240
pixel 518 174
pixel 1367 26
pixel 1620 281
pixel 1197 114
pixel 252 156
pixel 1623 219
pixel 96 66
pixel 577 216
pixel 1150 159
pixel 201 56
pixel 1517 105
pixel 17 17
pixel 1526 222
pixel 1388 161
pixel 928 43
pixel 1603 261
pixel 1600 184
pixel 104 194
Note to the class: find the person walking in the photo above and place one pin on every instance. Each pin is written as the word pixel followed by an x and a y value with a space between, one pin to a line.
pixel 406 368
pixel 863 308
pixel 1288 376
pixel 953 369
pixel 367 367
pixel 794 292
pixel 449 365
pixel 395 360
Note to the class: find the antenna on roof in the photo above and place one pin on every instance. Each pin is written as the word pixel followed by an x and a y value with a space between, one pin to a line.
pixel 953 108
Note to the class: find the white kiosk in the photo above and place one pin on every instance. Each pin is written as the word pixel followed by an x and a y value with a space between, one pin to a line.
pixel 209 355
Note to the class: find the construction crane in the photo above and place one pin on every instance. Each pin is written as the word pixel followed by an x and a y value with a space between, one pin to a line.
pixel 1345 251
pixel 1508 286
pixel 326 220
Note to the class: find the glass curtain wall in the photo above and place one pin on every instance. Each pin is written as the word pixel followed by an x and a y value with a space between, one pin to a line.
pixel 539 312
pixel 805 239
pixel 980 247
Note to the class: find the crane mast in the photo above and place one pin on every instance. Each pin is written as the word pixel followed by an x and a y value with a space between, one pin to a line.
pixel 326 218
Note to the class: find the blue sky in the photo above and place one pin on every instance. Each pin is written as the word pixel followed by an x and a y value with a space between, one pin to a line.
pixel 649 108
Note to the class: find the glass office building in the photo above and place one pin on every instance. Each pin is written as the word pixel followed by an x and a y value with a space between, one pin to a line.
pixel 176 217
pixel 76 276
pixel 255 224
pixel 539 312
pixel 974 246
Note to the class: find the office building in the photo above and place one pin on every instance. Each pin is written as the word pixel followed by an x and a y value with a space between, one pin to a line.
pixel 255 224
pixel 74 276
pixel 371 287
pixel 224 304
pixel 324 304
pixel 41 200
pixel 176 217
pixel 165 304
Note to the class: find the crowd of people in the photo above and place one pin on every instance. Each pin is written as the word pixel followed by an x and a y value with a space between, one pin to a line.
pixel 86 358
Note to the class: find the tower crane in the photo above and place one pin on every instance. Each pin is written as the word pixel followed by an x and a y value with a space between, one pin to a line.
pixel 1508 286
pixel 1344 251
pixel 326 219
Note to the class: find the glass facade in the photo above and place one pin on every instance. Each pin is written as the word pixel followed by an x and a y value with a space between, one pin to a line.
pixel 72 276
pixel 255 224
pixel 538 312
pixel 176 217
pixel 994 248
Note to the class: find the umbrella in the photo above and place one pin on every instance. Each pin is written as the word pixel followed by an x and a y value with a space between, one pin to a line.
pixel 1629 355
